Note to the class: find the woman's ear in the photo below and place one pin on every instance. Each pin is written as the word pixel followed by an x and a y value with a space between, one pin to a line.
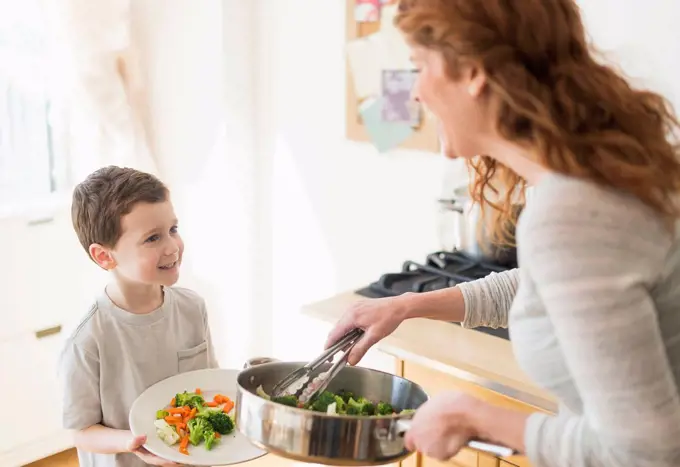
pixel 476 81
pixel 102 256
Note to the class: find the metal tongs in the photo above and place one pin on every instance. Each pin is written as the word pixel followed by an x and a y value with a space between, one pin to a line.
pixel 308 388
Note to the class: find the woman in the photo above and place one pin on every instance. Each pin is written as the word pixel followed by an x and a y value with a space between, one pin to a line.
pixel 594 307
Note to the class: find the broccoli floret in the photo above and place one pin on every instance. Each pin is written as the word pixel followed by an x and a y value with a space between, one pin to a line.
pixel 346 395
pixel 206 411
pixel 210 438
pixel 363 406
pixel 197 429
pixel 353 403
pixel 341 405
pixel 220 422
pixel 322 401
pixel 161 414
pixel 189 398
pixel 368 409
pixel 290 400
pixel 351 410
pixel 383 408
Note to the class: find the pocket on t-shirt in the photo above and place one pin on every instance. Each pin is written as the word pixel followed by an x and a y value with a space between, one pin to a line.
pixel 193 358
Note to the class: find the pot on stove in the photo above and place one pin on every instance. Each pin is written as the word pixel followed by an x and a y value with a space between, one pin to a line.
pixel 459 224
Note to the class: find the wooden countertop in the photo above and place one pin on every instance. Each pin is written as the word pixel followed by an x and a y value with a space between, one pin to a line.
pixel 464 353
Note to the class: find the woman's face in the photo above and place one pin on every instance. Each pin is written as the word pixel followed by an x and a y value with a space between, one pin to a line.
pixel 457 104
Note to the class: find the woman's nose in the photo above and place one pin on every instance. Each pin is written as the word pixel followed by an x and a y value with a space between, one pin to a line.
pixel 414 92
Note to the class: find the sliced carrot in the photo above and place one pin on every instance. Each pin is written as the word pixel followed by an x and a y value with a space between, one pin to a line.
pixel 183 445
pixel 217 435
pixel 211 404
pixel 228 405
pixel 171 419
pixel 191 415
pixel 172 402
pixel 220 399
pixel 198 391
pixel 176 410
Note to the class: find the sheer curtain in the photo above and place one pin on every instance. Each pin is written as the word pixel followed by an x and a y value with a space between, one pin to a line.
pixel 98 86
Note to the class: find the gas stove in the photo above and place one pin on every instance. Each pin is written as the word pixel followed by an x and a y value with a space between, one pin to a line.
pixel 439 270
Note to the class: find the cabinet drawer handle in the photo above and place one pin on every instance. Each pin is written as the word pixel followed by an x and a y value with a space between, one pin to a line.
pixel 46 332
pixel 40 221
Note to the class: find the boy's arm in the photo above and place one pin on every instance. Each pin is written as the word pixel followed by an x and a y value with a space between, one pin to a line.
pixel 104 440
pixel 79 377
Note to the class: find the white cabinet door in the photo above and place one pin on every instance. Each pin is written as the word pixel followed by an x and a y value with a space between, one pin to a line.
pixel 64 280
pixel 15 268
pixel 28 366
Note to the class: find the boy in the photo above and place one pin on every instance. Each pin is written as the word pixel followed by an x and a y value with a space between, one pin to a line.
pixel 140 329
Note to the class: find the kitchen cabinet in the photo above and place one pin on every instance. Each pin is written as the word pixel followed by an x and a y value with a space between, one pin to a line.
pixel 29 374
pixel 47 284
pixel 487 460
pixel 434 382
pixel 15 290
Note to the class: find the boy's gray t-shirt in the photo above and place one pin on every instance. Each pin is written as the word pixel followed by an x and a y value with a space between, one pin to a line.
pixel 113 356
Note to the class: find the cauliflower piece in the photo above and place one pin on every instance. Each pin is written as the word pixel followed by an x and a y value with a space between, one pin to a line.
pixel 260 392
pixel 165 432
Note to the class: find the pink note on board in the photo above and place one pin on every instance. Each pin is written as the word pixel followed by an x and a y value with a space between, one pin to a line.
pixel 367 11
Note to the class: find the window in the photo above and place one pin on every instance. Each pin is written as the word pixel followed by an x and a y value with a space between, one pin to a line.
pixel 28 153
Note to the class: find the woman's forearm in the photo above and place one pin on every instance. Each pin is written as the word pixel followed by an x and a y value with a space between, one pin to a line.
pixel 500 425
pixel 103 440
pixel 444 305
pixel 484 302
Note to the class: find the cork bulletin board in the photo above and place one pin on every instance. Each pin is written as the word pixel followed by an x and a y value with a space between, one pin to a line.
pixel 423 133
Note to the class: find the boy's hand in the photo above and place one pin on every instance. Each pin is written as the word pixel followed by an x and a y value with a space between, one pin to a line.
pixel 136 447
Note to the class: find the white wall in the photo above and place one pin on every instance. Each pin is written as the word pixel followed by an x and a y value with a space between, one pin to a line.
pixel 338 214
pixel 277 209
pixel 641 37
pixel 200 77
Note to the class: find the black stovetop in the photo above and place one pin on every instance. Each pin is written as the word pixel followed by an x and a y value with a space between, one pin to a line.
pixel 439 270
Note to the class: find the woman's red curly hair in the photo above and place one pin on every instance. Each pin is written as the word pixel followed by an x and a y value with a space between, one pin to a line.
pixel 580 116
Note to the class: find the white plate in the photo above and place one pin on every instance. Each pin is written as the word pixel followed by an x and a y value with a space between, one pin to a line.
pixel 233 448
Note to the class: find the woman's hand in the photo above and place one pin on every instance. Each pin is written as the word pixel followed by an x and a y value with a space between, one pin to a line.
pixel 377 317
pixel 443 425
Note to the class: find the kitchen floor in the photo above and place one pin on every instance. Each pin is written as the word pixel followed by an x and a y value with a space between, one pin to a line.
pixel 63 459
pixel 70 459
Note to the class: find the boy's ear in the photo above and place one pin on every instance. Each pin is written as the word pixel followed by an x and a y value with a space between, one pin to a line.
pixel 102 256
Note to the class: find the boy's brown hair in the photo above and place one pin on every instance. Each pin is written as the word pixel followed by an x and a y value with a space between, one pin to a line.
pixel 105 196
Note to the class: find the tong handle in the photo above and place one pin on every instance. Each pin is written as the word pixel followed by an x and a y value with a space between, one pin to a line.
pixel 310 367
pixel 341 344
pixel 347 343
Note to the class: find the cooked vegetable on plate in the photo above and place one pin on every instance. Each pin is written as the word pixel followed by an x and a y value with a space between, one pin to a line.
pixel 192 419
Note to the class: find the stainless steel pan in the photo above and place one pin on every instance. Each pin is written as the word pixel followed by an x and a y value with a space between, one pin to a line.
pixel 315 437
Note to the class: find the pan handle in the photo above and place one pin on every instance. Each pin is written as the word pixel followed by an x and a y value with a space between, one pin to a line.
pixel 251 362
pixel 403 425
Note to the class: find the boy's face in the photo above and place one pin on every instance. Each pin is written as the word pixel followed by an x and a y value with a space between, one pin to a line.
pixel 150 249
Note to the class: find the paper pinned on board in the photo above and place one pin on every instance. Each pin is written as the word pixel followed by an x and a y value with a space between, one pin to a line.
pixel 364 66
pixel 387 14
pixel 397 93
pixel 384 135
pixel 371 54
pixel 367 11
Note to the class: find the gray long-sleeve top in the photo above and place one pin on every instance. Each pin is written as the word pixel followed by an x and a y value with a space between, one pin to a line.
pixel 594 317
